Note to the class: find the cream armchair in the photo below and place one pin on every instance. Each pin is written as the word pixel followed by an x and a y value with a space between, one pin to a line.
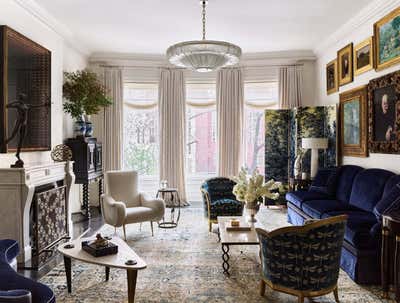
pixel 123 204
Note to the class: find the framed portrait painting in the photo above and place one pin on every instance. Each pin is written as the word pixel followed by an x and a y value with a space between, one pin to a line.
pixel 387 40
pixel 384 114
pixel 363 56
pixel 353 122
pixel 331 77
pixel 345 64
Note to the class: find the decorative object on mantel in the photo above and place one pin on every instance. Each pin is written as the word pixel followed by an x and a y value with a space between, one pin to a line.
pixel 204 55
pixel 386 33
pixel 363 56
pixel 345 64
pixel 384 114
pixel 251 189
pixel 353 122
pixel 61 153
pixel 84 95
pixel 21 125
pixel 332 77
pixel 314 144
pixel 25 69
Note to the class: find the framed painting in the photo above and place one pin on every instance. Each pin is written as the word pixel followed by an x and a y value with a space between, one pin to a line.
pixel 345 64
pixel 331 77
pixel 363 56
pixel 387 41
pixel 384 114
pixel 353 122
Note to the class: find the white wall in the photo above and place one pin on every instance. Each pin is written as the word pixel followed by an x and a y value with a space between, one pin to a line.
pixel 63 58
pixel 355 31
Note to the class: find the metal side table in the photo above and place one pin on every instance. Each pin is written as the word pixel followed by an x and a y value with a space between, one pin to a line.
pixel 175 202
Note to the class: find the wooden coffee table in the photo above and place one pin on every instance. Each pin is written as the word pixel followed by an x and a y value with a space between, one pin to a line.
pixel 229 238
pixel 115 261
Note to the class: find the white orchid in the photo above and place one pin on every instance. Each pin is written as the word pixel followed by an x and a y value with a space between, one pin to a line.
pixel 250 188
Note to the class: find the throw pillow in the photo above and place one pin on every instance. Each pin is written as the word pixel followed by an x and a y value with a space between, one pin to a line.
pixel 389 203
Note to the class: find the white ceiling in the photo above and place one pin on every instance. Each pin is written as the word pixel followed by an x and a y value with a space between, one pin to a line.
pixel 150 26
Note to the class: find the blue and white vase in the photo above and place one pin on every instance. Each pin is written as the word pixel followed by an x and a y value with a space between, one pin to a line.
pixel 80 128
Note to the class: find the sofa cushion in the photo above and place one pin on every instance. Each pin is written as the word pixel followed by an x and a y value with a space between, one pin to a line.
pixel 391 201
pixel 360 226
pixel 316 208
pixel 346 175
pixel 390 183
pixel 325 181
pixel 298 197
pixel 368 188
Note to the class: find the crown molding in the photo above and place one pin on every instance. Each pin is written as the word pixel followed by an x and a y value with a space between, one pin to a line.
pixel 370 13
pixel 33 8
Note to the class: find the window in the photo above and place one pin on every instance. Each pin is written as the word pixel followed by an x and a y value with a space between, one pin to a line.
pixel 201 129
pixel 258 96
pixel 141 141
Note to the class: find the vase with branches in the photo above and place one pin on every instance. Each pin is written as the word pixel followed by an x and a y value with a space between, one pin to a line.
pixel 83 95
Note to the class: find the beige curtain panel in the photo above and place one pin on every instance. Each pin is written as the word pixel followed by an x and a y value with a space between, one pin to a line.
pixel 290 86
pixel 230 108
pixel 171 102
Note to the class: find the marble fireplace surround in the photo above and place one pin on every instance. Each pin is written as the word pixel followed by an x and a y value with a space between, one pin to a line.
pixel 17 187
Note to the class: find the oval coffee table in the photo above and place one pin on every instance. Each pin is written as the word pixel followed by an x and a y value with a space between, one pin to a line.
pixel 116 261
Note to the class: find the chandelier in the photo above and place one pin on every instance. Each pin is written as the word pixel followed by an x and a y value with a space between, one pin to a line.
pixel 204 55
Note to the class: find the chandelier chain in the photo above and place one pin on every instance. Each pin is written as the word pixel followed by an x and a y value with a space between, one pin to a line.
pixel 204 18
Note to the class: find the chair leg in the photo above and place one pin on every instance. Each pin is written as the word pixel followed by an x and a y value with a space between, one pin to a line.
pixel 336 294
pixel 301 299
pixel 209 226
pixel 115 230
pixel 123 226
pixel 262 288
pixel 152 232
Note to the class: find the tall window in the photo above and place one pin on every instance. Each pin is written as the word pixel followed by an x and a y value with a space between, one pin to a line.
pixel 258 96
pixel 201 131
pixel 141 139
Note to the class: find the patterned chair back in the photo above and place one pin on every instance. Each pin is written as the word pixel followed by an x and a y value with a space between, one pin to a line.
pixel 219 188
pixel 303 258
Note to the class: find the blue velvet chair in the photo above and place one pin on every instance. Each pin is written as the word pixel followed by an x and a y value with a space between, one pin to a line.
pixel 14 287
pixel 302 260
pixel 219 200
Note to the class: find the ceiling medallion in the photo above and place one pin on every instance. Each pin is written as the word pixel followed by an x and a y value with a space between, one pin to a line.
pixel 204 55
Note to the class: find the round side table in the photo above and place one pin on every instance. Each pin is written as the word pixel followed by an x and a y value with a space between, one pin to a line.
pixel 173 195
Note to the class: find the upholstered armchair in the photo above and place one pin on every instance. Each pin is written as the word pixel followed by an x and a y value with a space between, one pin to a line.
pixel 123 204
pixel 219 200
pixel 303 260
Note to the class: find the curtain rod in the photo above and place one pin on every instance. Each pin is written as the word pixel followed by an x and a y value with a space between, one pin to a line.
pixel 159 67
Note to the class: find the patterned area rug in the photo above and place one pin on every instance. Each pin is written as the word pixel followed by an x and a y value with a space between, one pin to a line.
pixel 184 265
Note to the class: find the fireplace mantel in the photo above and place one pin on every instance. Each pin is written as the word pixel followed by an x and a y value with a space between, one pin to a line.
pixel 17 187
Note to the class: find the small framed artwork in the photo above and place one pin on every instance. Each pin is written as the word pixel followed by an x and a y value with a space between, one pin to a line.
pixel 363 56
pixel 345 64
pixel 384 114
pixel 386 39
pixel 331 77
pixel 353 122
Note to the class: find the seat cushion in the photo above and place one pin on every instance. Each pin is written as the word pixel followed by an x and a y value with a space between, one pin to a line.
pixel 325 181
pixel 359 228
pixel 346 175
pixel 390 201
pixel 225 207
pixel 139 214
pixel 298 197
pixel 368 188
pixel 316 208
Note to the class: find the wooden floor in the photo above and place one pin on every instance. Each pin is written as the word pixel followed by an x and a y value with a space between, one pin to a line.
pixel 87 227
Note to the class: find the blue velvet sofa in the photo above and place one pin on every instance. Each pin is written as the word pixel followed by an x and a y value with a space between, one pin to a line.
pixel 363 195
pixel 14 287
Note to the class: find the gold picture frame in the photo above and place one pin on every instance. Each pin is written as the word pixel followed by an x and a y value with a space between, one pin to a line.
pixel 387 52
pixel 345 64
pixel 353 122
pixel 331 77
pixel 363 56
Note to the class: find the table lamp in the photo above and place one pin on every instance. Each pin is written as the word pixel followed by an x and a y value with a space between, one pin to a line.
pixel 314 144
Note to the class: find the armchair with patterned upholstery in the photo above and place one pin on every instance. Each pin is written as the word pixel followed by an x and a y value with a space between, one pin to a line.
pixel 303 260
pixel 219 200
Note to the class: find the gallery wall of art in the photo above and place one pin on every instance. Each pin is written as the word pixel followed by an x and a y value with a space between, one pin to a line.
pixel 356 31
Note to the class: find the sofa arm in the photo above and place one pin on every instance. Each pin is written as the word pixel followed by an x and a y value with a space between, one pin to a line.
pixel 9 250
pixel 15 296
pixel 156 204
pixel 114 212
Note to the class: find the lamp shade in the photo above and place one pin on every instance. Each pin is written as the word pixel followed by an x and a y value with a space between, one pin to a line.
pixel 314 143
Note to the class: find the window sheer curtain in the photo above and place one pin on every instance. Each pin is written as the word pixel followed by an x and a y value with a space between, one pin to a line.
pixel 290 86
pixel 230 111
pixel 172 110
